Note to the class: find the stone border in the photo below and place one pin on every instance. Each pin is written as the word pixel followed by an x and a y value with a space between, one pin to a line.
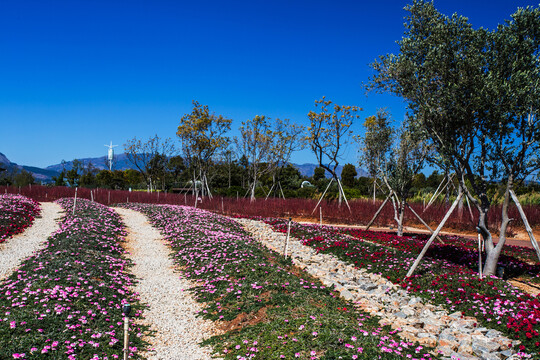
pixel 453 335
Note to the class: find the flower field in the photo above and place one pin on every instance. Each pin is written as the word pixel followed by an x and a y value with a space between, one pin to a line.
pixel 361 209
pixel 443 277
pixel 16 214
pixel 65 301
pixel 267 307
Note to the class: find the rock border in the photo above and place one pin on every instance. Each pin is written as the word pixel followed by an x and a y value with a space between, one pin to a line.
pixel 453 335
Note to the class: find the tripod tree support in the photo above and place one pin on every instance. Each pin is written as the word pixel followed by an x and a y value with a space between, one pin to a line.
pixel 343 193
pixel 378 211
pixel 424 223
pixel 526 223
pixel 322 196
pixel 287 239
pixel 435 233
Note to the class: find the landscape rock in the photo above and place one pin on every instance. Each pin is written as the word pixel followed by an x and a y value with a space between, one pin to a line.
pixel 454 336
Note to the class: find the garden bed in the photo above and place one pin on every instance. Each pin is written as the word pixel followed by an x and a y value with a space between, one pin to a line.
pixel 16 214
pixel 267 307
pixel 446 277
pixel 65 301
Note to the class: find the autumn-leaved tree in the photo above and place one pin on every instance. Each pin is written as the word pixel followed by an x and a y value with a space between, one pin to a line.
pixel 329 133
pixel 202 135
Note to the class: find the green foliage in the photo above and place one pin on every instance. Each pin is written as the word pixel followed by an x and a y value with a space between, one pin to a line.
pixel 319 174
pixel 348 175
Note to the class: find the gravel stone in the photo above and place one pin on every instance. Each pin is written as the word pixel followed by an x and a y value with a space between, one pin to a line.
pixel 15 250
pixel 171 310
pixel 415 319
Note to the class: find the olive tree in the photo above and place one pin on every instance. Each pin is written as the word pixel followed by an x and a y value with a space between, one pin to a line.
pixel 474 94
pixel 396 156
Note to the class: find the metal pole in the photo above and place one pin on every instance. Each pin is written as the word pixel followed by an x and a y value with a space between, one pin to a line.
pixel 320 213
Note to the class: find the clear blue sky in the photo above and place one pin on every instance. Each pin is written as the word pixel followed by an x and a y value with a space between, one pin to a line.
pixel 75 75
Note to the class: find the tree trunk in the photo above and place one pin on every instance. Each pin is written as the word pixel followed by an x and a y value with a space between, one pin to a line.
pixel 492 255
pixel 340 198
pixel 375 189
pixel 253 187
pixel 400 221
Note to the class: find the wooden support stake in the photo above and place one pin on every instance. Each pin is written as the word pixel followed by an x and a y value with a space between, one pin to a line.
pixel 320 215
pixel 287 240
pixel 75 201
pixel 469 206
pixel 281 189
pixel 423 222
pixel 526 223
pixel 343 193
pixel 479 254
pixel 269 192
pixel 435 233
pixel 378 212
pixel 322 196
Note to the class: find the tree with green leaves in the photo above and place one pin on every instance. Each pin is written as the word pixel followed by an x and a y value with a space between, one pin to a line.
pixel 375 144
pixel 202 135
pixel 329 133
pixel 319 174
pixel 348 175
pixel 394 156
pixel 23 178
pixel 474 95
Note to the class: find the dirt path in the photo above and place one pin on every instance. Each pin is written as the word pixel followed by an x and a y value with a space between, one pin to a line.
pixel 21 246
pixel 521 238
pixel 171 311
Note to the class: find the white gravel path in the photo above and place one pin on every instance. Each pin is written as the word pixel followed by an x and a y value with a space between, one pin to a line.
pixel 13 251
pixel 171 311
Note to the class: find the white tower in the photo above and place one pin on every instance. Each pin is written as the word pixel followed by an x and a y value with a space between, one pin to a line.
pixel 110 155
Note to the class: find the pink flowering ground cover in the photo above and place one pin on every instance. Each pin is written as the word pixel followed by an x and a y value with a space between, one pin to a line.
pixel 16 214
pixel 442 277
pixel 268 308
pixel 65 301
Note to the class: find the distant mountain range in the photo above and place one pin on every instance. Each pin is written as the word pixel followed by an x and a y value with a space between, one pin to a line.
pixel 121 163
pixel 41 175
pixel 100 163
